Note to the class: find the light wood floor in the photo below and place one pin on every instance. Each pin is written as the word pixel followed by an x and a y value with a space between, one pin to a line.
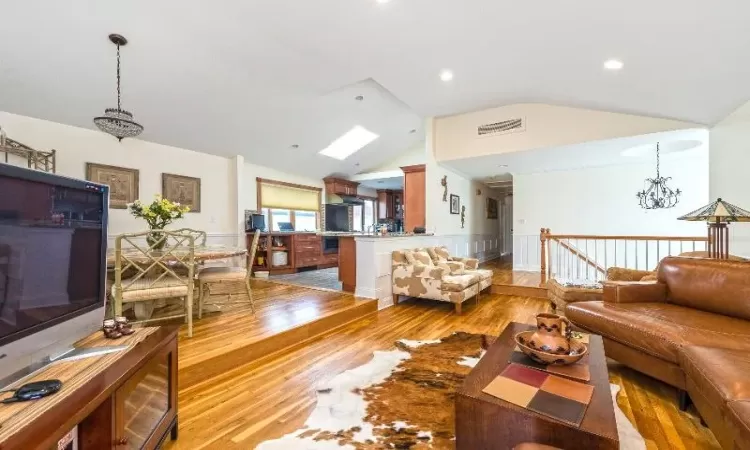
pixel 504 274
pixel 271 397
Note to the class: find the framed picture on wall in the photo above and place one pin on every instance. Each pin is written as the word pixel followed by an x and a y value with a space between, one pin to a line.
pixel 455 204
pixel 491 208
pixel 183 190
pixel 122 182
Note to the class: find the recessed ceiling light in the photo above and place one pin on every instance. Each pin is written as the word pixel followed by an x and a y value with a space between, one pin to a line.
pixel 502 165
pixel 446 75
pixel 349 143
pixel 383 1
pixel 359 98
pixel 613 64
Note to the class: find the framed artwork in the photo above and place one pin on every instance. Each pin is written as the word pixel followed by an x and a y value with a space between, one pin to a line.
pixel 122 182
pixel 491 208
pixel 455 204
pixel 183 190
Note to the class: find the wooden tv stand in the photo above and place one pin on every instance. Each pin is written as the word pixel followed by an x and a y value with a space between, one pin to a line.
pixel 121 400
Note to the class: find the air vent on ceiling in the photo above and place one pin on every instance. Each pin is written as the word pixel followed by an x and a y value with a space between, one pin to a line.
pixel 504 127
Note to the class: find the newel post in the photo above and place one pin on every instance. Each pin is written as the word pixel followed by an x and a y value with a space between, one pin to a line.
pixel 543 238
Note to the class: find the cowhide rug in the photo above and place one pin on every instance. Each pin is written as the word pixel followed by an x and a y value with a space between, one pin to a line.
pixel 402 399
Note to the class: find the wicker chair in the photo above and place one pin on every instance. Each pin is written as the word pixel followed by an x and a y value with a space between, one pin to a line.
pixel 217 275
pixel 158 272
pixel 200 236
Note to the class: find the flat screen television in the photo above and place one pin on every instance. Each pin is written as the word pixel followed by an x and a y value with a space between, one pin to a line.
pixel 53 258
pixel 337 217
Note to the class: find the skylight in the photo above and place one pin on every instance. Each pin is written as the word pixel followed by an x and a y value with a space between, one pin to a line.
pixel 351 142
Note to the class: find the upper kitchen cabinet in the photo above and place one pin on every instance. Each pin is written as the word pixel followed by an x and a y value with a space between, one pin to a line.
pixel 390 204
pixel 340 186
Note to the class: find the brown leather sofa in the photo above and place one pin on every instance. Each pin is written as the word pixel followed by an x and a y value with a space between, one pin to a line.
pixel 691 329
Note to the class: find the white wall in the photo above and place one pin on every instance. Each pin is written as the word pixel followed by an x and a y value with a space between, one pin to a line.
pixel 77 146
pixel 546 126
pixel 729 161
pixel 602 201
pixel 479 235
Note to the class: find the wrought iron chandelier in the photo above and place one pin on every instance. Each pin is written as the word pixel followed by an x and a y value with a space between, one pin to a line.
pixel 657 195
pixel 116 121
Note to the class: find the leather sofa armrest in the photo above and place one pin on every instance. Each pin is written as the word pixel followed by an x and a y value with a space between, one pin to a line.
pixel 634 292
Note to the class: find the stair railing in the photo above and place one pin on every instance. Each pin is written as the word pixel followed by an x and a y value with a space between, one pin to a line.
pixel 588 257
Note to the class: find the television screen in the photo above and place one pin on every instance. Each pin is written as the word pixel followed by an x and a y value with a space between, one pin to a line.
pixel 337 217
pixel 52 250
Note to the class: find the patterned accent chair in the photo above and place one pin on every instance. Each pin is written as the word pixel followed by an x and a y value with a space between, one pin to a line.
pixel 442 255
pixel 416 275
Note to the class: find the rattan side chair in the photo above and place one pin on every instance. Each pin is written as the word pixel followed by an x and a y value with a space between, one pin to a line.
pixel 199 235
pixel 159 273
pixel 215 275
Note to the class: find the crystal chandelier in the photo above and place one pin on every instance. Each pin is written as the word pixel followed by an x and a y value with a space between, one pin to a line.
pixel 657 194
pixel 116 121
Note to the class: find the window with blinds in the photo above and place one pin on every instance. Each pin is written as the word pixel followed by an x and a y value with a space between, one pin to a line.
pixel 283 202
pixel 278 196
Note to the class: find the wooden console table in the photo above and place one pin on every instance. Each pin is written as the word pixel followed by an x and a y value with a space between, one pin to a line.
pixel 121 400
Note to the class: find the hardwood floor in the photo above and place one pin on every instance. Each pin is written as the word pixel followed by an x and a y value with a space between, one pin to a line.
pixel 285 316
pixel 504 274
pixel 272 396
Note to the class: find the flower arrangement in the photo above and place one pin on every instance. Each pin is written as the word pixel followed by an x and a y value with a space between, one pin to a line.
pixel 160 213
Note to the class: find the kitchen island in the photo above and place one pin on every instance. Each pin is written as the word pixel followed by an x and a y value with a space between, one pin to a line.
pixel 365 262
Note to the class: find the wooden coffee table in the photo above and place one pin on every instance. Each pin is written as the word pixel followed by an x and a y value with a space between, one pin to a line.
pixel 487 423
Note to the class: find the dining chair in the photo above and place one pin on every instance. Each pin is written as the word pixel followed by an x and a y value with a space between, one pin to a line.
pixel 158 273
pixel 216 275
pixel 200 236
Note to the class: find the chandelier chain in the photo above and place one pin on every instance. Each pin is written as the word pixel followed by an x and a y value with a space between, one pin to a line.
pixel 119 108
pixel 657 154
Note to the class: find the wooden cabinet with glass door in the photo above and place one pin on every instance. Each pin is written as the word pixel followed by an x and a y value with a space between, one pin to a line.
pixel 145 406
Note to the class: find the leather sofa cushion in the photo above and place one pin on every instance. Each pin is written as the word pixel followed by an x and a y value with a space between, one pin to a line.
pixel 739 421
pixel 718 286
pixel 659 329
pixel 720 374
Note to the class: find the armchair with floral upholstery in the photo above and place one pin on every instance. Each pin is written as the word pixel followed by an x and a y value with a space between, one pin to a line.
pixel 416 275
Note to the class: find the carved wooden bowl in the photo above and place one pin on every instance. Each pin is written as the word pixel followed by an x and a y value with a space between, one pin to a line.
pixel 577 351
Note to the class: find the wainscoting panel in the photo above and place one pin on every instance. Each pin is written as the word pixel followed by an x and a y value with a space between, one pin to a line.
pixel 526 252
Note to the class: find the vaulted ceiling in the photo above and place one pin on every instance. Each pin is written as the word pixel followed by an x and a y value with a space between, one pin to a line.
pixel 256 77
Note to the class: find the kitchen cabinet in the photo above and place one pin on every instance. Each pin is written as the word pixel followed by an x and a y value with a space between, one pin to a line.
pixel 390 204
pixel 415 197
pixel 339 186
pixel 302 250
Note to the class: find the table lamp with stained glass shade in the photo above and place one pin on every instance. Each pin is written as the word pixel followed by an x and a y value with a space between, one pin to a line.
pixel 718 215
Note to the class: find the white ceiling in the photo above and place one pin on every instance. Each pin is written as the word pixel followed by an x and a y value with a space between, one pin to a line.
pixel 253 78
pixel 630 150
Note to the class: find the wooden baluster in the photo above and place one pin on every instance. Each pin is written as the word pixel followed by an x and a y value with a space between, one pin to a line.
pixel 543 236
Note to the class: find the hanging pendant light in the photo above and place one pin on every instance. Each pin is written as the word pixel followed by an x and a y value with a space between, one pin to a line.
pixel 657 195
pixel 116 121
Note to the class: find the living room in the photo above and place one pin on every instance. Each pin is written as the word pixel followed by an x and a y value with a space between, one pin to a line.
pixel 317 225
